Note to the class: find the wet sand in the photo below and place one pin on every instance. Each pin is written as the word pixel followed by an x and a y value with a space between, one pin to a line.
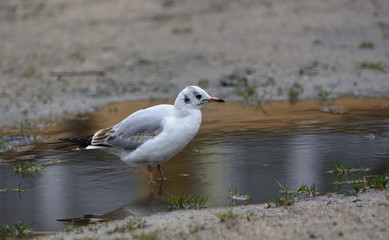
pixel 329 217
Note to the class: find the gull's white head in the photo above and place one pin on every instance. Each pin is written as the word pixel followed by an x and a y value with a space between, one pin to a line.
pixel 194 97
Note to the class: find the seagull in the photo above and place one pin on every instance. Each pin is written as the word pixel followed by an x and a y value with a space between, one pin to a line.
pixel 151 136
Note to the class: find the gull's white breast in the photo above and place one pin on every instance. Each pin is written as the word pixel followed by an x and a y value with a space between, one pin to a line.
pixel 177 132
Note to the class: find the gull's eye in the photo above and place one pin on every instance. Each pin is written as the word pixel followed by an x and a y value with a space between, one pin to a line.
pixel 198 96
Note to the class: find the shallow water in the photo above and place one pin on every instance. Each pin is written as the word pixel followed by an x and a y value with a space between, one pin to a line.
pixel 247 147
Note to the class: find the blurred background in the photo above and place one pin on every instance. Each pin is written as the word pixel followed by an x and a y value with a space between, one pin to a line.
pixel 60 57
pixel 63 58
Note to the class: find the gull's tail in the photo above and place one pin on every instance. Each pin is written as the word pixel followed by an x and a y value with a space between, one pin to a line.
pixel 82 141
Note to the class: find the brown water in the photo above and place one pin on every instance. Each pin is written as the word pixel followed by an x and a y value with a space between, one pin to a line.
pixel 248 147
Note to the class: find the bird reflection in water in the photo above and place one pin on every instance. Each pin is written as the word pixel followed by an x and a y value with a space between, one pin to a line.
pixel 143 206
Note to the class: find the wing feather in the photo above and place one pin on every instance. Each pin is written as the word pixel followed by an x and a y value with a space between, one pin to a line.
pixel 135 130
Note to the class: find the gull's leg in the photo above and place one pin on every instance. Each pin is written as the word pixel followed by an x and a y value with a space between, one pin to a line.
pixel 150 173
pixel 161 172
pixel 161 188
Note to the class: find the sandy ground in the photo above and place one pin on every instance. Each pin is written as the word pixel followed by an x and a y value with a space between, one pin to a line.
pixel 329 217
pixel 153 49
pixel 122 50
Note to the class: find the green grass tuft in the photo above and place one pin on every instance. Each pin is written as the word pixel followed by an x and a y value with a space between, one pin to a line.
pixel 18 230
pixel 343 176
pixel 323 95
pixel 187 201
pixel 338 168
pixel 246 91
pixel 27 168
pixel 285 198
pixel 235 196
pixel 30 72
pixel 288 197
pixel 379 181
pixel 3 142
pixel 294 92
pixel 227 215
pixel 181 30
pixel 372 65
pixel 366 45
pixel 307 191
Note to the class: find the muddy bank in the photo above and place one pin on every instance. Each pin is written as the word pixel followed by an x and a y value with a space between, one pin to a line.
pixel 66 57
pixel 328 217
pixel 276 116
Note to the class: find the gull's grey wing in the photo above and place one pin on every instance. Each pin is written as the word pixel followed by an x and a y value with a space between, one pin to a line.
pixel 135 130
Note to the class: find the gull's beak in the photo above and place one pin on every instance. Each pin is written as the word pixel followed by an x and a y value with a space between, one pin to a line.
pixel 214 99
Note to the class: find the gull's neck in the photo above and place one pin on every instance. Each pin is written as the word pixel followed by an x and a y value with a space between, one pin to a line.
pixel 184 111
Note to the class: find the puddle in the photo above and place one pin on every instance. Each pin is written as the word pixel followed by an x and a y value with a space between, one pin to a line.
pixel 249 148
